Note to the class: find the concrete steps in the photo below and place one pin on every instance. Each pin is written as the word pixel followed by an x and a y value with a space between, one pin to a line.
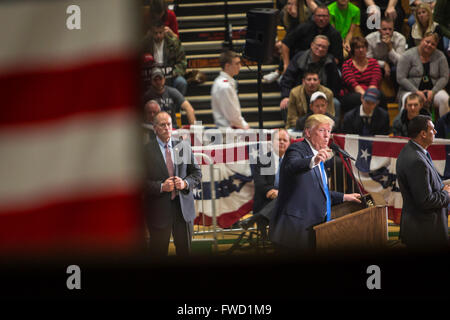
pixel 218 7
pixel 202 33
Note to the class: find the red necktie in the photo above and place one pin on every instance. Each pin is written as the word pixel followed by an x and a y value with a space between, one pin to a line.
pixel 169 164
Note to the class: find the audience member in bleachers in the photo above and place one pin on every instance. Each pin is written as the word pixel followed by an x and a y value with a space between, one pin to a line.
pixel 424 70
pixel 317 57
pixel 359 73
pixel 170 99
pixel 160 11
pixel 369 119
pixel 388 8
pixel 344 16
pixel 303 35
pixel 168 53
pixel 151 108
pixel 424 24
pixel 291 16
pixel 318 105
pixel 386 45
pixel 442 16
pixel 224 99
pixel 443 127
pixel 300 97
pixel 413 107
pixel 413 4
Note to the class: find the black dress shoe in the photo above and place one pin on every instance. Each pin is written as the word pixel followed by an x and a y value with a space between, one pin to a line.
pixel 247 223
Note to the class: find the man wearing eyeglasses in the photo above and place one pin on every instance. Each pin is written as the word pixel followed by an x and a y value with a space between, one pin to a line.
pixel 172 173
pixel 302 36
pixel 316 58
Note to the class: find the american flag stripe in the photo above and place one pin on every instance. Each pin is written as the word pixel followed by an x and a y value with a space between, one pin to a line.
pixel 34 34
pixel 86 224
pixel 52 95
pixel 67 159
pixel 69 170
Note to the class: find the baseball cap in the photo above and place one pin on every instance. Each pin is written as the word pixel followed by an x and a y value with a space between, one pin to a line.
pixel 157 72
pixel 372 94
pixel 316 95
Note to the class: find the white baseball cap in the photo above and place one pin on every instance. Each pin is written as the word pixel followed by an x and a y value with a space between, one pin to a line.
pixel 316 95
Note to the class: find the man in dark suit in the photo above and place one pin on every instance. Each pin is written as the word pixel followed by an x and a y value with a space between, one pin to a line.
pixel 424 220
pixel 303 198
pixel 369 119
pixel 172 174
pixel 266 177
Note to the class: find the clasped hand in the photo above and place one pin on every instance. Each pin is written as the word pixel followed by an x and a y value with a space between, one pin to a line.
pixel 172 183
pixel 447 188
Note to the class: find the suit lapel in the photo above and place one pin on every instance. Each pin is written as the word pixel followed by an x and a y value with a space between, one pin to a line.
pixel 316 169
pixel 177 156
pixel 430 164
pixel 434 174
pixel 159 157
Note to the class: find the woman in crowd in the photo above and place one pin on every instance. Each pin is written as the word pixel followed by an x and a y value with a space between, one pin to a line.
pixel 160 11
pixel 424 23
pixel 359 73
pixel 424 70
pixel 413 4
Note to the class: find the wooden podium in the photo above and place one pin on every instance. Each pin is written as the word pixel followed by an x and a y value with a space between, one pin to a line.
pixel 365 228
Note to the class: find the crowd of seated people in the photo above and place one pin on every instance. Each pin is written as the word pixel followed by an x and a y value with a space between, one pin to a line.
pixel 341 48
pixel 412 59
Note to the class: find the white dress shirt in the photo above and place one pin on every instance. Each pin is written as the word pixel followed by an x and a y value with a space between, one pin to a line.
pixel 379 50
pixel 225 102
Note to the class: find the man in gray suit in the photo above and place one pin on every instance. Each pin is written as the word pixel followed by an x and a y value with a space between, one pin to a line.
pixel 169 202
pixel 424 220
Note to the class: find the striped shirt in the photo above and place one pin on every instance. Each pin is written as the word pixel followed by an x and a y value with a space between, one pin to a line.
pixel 371 76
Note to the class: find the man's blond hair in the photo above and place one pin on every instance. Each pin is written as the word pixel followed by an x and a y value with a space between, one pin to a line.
pixel 316 119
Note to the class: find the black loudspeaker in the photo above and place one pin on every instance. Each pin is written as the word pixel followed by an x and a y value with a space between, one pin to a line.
pixel 260 36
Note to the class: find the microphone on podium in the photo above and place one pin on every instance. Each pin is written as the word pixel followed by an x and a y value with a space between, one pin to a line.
pixel 336 148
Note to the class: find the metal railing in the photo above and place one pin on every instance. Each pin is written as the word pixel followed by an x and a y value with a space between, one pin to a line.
pixel 212 181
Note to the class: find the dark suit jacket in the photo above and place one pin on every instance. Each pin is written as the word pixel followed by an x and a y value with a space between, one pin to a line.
pixel 157 204
pixel 263 183
pixel 424 220
pixel 379 124
pixel 301 200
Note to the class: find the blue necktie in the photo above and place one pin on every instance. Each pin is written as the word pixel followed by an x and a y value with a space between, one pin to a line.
pixel 325 186
pixel 277 175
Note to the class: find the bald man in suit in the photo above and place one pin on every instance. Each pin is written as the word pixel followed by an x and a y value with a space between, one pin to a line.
pixel 424 220
pixel 172 173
